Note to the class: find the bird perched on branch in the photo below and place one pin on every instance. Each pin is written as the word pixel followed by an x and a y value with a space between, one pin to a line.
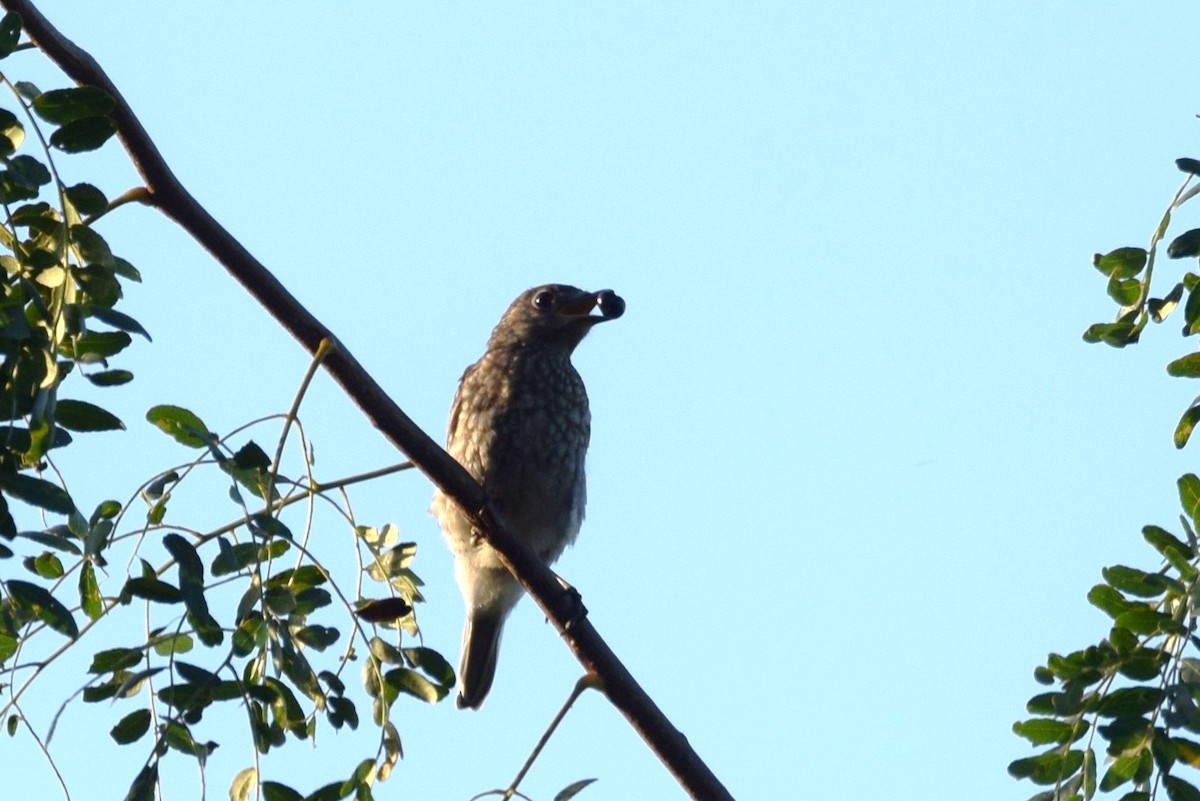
pixel 520 425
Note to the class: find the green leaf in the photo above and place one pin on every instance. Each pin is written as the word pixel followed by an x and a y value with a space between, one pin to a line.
pixel 131 727
pixel 342 712
pixel 319 637
pixel 81 416
pixel 60 106
pixel 1116 335
pixel 8 647
pixel 1146 622
pixel 143 785
pixel 92 247
pixel 1121 263
pixel 183 425
pixel 1042 731
pixel 44 606
pixel 109 378
pixel 87 199
pixel 414 684
pixel 173 644
pixel 114 659
pixel 37 492
pixel 573 789
pixel 1179 789
pixel 28 172
pixel 1187 424
pixel 1121 771
pixel 1048 768
pixel 84 134
pixel 1189 495
pixel 1135 582
pixel 191 584
pixel 152 589
pixel 48 566
pixel 1185 245
pixel 56 537
pixel 1187 751
pixel 91 347
pixel 1130 702
pixel 274 791
pixel 119 320
pixel 384 610
pixel 10 33
pixel 432 663
pixel 1125 291
pixel 1108 600
pixel 1185 366
pixel 233 558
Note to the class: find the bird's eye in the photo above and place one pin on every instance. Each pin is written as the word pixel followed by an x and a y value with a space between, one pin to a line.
pixel 544 300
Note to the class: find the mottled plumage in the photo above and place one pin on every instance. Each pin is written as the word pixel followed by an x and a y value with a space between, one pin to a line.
pixel 520 425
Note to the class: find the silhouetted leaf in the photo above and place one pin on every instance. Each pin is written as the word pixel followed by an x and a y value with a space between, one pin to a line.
pixel 1185 245
pixel 119 320
pixel 37 492
pixel 1179 789
pixel 81 416
pixel 274 791
pixel 114 659
pixel 384 610
pixel 87 199
pixel 152 589
pixel 191 584
pixel 10 32
pixel 109 378
pixel 573 789
pixel 131 727
pixel 95 346
pixel 44 606
pixel 60 106
pixel 143 785
pixel 88 133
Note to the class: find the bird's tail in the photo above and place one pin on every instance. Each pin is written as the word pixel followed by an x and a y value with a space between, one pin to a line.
pixel 480 647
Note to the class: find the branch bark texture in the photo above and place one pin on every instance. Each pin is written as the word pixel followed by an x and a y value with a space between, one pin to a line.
pixel 561 607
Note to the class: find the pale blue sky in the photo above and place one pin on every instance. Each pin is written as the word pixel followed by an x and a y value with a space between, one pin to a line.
pixel 853 470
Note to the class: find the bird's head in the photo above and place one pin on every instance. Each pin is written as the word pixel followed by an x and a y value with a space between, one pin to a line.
pixel 554 315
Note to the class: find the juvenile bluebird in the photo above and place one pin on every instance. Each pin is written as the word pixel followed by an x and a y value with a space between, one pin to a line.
pixel 520 425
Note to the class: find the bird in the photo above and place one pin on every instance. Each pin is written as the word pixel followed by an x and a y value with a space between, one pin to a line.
pixel 520 425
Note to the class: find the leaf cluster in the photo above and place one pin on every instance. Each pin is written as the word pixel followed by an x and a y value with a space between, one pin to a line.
pixel 1130 272
pixel 240 616
pixel 1136 690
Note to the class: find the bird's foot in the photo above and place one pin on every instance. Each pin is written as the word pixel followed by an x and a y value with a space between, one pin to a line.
pixel 575 600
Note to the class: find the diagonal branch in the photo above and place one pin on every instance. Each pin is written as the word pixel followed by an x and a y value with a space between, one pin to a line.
pixel 560 606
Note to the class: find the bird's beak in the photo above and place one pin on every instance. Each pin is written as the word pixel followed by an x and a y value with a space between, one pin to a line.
pixel 610 303
pixel 581 306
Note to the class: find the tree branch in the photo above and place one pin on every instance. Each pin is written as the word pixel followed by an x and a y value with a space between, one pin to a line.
pixel 169 195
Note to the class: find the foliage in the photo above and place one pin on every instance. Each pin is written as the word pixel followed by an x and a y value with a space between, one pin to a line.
pixel 243 616
pixel 1137 690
